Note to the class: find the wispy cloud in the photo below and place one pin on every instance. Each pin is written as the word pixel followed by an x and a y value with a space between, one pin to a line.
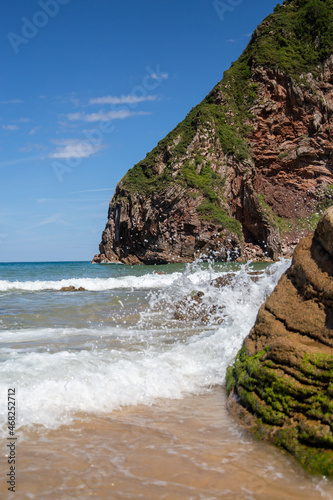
pixel 12 101
pixel 10 127
pixel 22 120
pixel 104 115
pixel 32 147
pixel 241 39
pixel 33 130
pixel 74 148
pixel 56 218
pixel 18 161
pixel 92 190
pixel 125 99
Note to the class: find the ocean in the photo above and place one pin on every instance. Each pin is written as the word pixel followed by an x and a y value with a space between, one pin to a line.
pixel 119 388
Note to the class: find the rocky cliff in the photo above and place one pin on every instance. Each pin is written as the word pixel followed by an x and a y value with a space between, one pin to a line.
pixel 249 170
pixel 281 385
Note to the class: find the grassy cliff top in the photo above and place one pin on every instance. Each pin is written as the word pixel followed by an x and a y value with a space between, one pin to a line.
pixel 295 38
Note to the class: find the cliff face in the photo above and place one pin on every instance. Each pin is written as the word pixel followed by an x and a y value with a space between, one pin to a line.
pixel 281 383
pixel 248 171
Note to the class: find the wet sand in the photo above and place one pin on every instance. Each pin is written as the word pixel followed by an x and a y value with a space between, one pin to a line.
pixel 177 449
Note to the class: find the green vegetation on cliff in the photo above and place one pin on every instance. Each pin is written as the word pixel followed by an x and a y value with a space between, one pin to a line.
pixel 295 39
pixel 327 199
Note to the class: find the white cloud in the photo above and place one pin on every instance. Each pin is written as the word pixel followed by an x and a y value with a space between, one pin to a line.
pixel 33 130
pixel 125 99
pixel 75 148
pixel 10 127
pixel 104 115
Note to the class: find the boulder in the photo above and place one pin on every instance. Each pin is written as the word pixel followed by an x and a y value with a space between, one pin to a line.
pixel 281 383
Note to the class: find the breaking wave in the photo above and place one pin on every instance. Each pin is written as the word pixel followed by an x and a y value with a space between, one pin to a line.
pixel 58 377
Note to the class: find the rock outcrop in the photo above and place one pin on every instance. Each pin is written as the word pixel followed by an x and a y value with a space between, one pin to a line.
pixel 72 288
pixel 281 384
pixel 249 170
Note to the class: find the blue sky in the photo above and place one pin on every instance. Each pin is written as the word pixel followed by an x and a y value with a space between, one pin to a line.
pixel 88 87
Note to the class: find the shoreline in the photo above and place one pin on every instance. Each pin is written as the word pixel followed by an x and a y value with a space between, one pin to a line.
pixel 186 448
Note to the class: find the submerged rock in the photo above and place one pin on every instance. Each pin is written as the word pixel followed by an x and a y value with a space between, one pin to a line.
pixel 72 288
pixel 194 308
pixel 224 280
pixel 198 307
pixel 281 384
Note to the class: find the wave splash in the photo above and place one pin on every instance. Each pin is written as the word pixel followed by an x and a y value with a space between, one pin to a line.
pixel 162 357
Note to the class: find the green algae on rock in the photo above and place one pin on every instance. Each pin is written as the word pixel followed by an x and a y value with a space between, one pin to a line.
pixel 281 383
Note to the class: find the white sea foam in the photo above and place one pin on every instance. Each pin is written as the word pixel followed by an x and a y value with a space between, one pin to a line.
pixel 52 387
pixel 147 281
pixel 93 284
pixel 57 334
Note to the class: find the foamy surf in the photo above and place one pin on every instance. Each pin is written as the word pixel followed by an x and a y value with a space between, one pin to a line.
pixel 59 373
pixel 94 285
pixel 152 280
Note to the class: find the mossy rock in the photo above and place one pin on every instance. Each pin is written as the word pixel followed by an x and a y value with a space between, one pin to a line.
pixel 297 417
